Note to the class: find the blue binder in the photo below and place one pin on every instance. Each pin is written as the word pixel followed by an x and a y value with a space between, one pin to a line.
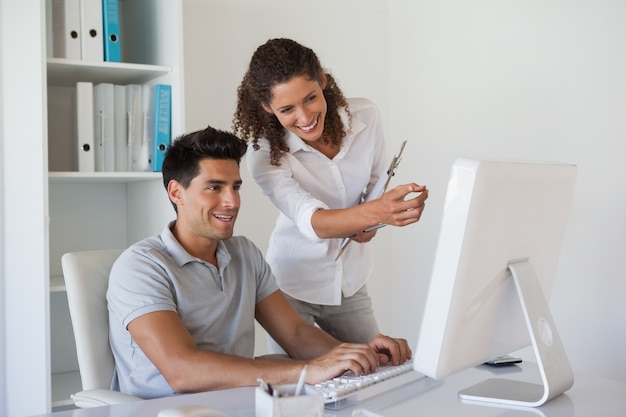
pixel 111 28
pixel 162 124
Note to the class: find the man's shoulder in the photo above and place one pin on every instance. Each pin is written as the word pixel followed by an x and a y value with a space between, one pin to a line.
pixel 143 249
pixel 145 246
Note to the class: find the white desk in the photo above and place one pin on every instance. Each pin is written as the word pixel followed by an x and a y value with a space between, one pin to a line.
pixel 589 397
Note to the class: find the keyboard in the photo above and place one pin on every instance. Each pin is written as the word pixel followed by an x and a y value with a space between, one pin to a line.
pixel 348 389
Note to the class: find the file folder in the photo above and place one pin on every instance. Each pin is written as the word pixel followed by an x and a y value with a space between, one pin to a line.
pixel 66 39
pixel 162 124
pixel 121 144
pixel 85 127
pixel 104 99
pixel 134 110
pixel 91 30
pixel 143 158
pixel 111 28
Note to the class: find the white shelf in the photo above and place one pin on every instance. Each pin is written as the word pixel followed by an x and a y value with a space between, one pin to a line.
pixel 102 177
pixel 63 385
pixel 66 72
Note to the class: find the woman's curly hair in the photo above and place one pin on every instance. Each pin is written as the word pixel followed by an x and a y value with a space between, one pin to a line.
pixel 276 62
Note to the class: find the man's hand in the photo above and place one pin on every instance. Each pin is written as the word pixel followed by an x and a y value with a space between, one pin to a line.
pixel 361 359
pixel 388 348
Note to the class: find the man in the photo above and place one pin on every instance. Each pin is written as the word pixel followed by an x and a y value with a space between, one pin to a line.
pixel 182 304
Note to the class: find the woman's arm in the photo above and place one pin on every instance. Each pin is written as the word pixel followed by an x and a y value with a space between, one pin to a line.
pixel 392 208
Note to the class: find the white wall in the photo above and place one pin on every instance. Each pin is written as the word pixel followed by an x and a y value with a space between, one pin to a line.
pixel 534 80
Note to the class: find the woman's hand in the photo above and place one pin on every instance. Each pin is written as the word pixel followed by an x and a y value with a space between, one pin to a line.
pixel 364 236
pixel 394 208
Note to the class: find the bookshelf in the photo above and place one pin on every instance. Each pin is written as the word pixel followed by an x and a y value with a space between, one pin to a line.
pixel 103 210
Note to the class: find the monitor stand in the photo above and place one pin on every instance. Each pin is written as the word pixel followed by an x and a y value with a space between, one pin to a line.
pixel 556 373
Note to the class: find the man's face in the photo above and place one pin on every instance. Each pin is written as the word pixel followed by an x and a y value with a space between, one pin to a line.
pixel 209 206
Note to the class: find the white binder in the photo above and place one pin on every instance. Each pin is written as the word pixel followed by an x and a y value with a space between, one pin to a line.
pixel 92 41
pixel 85 127
pixel 134 109
pixel 66 36
pixel 143 158
pixel 121 125
pixel 104 105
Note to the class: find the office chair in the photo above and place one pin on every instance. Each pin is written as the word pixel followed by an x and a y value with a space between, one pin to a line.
pixel 86 280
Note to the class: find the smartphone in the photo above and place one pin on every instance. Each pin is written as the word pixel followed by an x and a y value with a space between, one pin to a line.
pixel 504 360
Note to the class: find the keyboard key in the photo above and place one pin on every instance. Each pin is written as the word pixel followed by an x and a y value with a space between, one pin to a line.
pixel 348 388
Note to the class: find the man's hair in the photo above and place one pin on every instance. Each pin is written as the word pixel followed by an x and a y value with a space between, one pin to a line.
pixel 183 155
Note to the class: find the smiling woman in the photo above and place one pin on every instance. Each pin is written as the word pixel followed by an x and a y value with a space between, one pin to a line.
pixel 313 153
pixel 300 107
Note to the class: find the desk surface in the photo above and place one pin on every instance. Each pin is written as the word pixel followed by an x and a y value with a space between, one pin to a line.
pixel 590 396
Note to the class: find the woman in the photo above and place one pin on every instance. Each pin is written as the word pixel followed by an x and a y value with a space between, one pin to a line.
pixel 314 153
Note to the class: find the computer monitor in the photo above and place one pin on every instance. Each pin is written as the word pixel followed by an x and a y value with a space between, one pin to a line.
pixel 498 251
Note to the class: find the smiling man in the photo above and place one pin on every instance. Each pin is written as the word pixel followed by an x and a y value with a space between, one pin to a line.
pixel 182 304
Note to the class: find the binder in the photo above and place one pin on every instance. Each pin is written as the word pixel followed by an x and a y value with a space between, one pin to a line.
pixel 92 48
pixel 162 124
pixel 134 129
pixel 121 128
pixel 66 39
pixel 104 122
pixel 85 127
pixel 143 158
pixel 111 30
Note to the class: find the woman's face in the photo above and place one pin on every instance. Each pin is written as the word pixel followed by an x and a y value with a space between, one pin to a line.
pixel 300 106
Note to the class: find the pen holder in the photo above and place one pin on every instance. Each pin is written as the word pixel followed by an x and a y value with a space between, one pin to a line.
pixel 283 402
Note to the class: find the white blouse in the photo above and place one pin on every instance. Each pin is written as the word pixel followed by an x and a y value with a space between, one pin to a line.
pixel 306 181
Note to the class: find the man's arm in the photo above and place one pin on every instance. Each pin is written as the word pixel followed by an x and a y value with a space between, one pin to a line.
pixel 299 339
pixel 326 356
pixel 167 343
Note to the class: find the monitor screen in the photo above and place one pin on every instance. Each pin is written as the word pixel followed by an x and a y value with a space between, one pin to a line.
pixel 498 251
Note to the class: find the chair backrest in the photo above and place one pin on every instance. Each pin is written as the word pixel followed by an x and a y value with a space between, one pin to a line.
pixel 86 280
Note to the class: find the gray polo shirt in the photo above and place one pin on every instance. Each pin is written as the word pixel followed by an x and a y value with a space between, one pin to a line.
pixel 216 306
